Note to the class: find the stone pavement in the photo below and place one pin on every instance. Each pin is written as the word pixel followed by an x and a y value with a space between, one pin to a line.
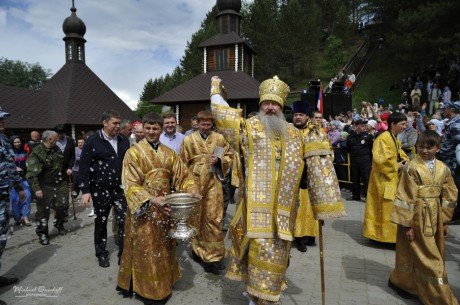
pixel 356 270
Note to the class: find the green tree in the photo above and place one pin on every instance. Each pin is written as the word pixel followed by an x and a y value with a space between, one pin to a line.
pixel 151 90
pixel 427 33
pixel 261 28
pixel 335 54
pixel 301 43
pixel 22 74
pixel 192 61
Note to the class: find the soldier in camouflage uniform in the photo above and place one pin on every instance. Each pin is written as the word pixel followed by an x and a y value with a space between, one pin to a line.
pixel 8 177
pixel 47 179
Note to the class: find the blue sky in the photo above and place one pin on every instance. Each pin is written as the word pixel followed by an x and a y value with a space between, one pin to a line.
pixel 128 41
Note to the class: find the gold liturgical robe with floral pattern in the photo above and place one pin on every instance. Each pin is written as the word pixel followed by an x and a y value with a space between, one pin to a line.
pixel 425 200
pixel 323 186
pixel 149 255
pixel 305 223
pixel 196 153
pixel 381 191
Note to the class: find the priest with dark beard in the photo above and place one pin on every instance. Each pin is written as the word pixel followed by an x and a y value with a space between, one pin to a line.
pixel 306 226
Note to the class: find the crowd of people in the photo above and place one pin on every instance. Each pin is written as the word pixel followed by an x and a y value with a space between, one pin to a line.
pixel 345 80
pixel 284 178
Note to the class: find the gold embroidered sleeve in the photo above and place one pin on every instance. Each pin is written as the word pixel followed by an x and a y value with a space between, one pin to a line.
pixel 133 179
pixel 406 199
pixel 384 155
pixel 448 197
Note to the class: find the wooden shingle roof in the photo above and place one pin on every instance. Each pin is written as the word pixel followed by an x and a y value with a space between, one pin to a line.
pixel 28 108
pixel 81 96
pixel 239 85
pixel 74 95
pixel 224 39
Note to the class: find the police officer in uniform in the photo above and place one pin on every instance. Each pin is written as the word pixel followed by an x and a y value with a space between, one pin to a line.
pixel 47 177
pixel 359 144
pixel 9 177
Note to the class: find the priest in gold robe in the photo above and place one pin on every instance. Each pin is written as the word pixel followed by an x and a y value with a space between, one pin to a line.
pixel 272 154
pixel 387 159
pixel 424 204
pixel 209 157
pixel 150 171
pixel 306 226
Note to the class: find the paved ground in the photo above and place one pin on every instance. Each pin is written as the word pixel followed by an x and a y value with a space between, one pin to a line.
pixel 357 270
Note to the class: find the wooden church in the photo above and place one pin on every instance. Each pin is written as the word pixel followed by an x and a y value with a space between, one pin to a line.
pixel 227 55
pixel 74 97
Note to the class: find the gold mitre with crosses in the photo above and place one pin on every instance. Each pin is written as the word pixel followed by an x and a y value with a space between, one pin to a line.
pixel 217 87
pixel 273 89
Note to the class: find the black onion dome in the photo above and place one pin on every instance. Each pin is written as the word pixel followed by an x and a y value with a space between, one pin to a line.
pixel 223 5
pixel 73 24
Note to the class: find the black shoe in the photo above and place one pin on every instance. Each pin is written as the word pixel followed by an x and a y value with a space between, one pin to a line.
pixel 17 223
pixel 302 247
pixel 2 302
pixel 301 243
pixel 61 229
pixel 6 281
pixel 44 239
pixel 402 293
pixel 196 258
pixel 354 199
pixel 103 262
pixel 212 268
pixel 220 265
pixel 310 241
pixel 125 293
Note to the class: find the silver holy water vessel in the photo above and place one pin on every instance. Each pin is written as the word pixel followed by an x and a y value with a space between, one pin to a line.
pixel 183 207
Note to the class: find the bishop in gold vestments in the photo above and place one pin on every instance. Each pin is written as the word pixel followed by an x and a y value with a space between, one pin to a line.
pixel 149 257
pixel 425 201
pixel 273 156
pixel 196 152
pixel 381 192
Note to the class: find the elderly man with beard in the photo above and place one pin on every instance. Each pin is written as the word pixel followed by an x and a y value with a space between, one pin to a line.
pixel 306 226
pixel 272 153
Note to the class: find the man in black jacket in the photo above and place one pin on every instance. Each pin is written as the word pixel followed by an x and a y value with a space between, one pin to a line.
pixel 100 179
pixel 359 144
pixel 67 146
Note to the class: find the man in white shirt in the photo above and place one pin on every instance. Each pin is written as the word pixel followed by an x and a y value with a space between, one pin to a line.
pixel 170 137
pixel 100 180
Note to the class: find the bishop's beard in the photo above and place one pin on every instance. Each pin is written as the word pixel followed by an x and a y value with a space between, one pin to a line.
pixel 274 125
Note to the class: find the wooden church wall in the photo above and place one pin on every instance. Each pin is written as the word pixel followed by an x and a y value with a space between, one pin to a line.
pixel 220 58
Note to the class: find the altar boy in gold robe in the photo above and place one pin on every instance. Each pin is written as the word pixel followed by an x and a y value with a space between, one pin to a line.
pixel 150 170
pixel 425 202
pixel 387 159
pixel 209 157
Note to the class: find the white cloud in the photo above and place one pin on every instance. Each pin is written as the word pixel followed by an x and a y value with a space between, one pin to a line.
pixel 128 42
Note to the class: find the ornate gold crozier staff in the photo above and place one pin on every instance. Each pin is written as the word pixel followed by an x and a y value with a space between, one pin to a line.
pixel 321 262
pixel 327 203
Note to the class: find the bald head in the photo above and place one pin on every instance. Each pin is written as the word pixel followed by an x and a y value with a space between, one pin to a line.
pixel 139 132
pixel 35 136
